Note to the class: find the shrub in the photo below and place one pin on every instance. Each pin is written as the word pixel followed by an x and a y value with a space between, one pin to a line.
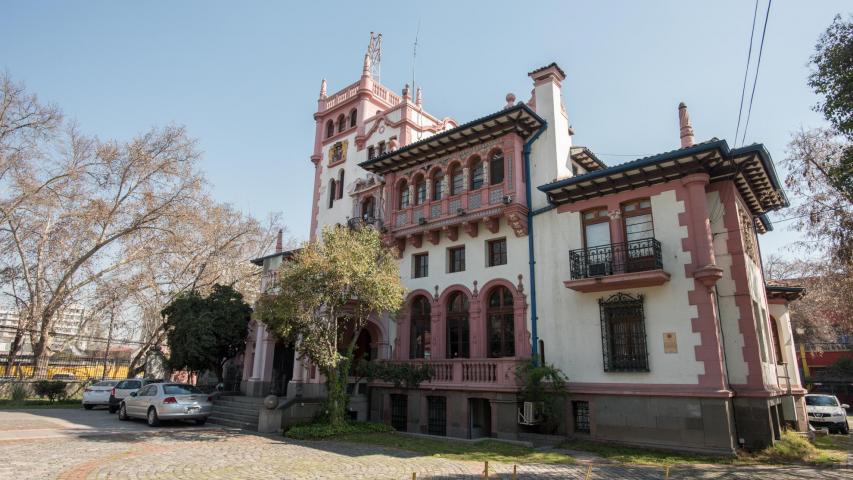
pixel 51 389
pixel 402 375
pixel 18 392
pixel 319 431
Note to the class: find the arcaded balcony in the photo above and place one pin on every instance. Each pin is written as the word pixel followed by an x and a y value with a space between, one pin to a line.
pixel 632 264
pixel 492 374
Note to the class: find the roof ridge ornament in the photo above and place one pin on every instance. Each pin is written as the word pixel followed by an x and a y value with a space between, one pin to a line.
pixel 323 89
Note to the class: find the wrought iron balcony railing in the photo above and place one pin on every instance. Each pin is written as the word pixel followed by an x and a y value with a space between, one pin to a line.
pixel 603 260
pixel 365 221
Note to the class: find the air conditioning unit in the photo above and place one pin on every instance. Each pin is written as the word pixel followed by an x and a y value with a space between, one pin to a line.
pixel 597 269
pixel 422 221
pixel 529 414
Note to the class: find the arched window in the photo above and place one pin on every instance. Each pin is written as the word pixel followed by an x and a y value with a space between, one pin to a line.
pixel 368 209
pixel 456 180
pixel 342 123
pixel 420 190
pixel 496 168
pixel 403 195
pixel 437 186
pixel 341 184
pixel 419 346
pixel 333 191
pixel 476 173
pixel 353 117
pixel 330 128
pixel 457 326
pixel 500 323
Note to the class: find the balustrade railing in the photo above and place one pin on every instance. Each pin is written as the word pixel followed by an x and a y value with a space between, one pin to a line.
pixel 461 372
pixel 626 257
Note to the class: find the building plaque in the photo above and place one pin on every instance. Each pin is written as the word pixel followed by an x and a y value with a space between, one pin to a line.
pixel 670 342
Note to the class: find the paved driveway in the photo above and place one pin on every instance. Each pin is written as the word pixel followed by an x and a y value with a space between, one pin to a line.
pixel 78 444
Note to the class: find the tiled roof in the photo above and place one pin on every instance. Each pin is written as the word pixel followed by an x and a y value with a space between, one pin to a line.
pixel 552 64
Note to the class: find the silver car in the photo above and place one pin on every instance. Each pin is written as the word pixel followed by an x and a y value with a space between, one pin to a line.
pixel 166 401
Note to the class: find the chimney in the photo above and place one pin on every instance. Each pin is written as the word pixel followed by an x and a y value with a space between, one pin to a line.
pixel 549 159
pixel 278 241
pixel 684 125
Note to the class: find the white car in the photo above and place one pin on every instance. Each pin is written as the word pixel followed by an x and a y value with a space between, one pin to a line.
pixel 98 394
pixel 125 387
pixel 826 411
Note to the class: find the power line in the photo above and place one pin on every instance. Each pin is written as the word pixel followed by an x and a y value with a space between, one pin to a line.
pixel 746 72
pixel 757 67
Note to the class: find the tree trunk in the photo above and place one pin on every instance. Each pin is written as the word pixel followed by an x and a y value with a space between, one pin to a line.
pixel 336 394
pixel 14 349
pixel 41 354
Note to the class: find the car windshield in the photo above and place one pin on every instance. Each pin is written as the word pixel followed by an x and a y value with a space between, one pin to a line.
pixel 177 389
pixel 821 401
pixel 104 384
pixel 131 384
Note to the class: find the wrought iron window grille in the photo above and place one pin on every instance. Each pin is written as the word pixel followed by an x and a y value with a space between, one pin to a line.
pixel 623 334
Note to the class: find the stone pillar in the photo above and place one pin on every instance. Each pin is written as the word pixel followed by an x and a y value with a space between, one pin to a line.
pixel 259 382
pixel 437 332
pixel 477 328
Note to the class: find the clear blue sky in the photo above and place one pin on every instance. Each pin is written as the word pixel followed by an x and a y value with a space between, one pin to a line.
pixel 244 76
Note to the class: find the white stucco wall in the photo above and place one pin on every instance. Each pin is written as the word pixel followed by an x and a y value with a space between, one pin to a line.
pixel 475 261
pixel 569 321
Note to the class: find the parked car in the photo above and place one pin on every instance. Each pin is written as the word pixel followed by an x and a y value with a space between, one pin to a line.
pixel 825 411
pixel 167 401
pixel 63 376
pixel 98 394
pixel 124 388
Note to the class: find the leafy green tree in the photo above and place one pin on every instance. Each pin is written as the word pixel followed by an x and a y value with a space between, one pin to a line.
pixel 820 161
pixel 204 332
pixel 324 297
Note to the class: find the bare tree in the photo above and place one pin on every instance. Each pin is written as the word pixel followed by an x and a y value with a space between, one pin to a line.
pixel 67 235
pixel 211 244
pixel 826 309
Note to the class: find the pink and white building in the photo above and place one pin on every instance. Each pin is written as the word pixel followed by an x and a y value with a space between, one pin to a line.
pixel 641 281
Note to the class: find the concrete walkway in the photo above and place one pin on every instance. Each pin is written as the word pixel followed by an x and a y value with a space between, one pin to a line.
pixel 77 444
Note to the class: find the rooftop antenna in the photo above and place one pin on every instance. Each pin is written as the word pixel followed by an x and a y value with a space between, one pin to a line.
pixel 415 53
pixel 374 52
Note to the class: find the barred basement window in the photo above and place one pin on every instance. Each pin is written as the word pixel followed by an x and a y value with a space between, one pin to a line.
pixel 437 416
pixel 623 334
pixel 399 407
pixel 581 414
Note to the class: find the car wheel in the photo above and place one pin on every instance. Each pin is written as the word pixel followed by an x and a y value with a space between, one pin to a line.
pixel 122 413
pixel 845 430
pixel 88 407
pixel 153 419
pixel 200 421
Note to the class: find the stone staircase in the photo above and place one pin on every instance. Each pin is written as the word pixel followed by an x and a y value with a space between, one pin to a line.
pixel 236 411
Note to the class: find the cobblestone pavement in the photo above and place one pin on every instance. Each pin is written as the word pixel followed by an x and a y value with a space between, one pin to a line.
pixel 213 453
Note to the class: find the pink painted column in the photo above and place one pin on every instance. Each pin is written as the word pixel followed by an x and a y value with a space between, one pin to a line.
pixel 404 334
pixel 697 209
pixel 519 307
pixel 438 333
pixel 477 328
